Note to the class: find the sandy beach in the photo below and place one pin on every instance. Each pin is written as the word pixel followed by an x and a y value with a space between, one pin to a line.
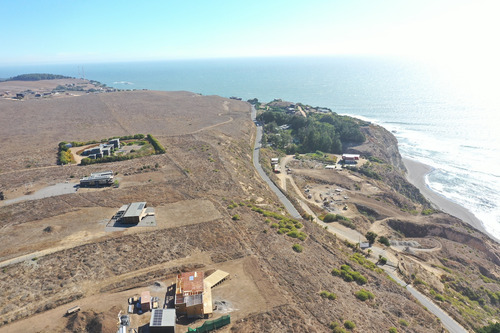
pixel 416 176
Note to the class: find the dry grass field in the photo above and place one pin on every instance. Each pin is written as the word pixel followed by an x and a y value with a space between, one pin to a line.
pixel 66 258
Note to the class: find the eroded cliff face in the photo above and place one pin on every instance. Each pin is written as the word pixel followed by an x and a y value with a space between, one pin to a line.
pixel 383 147
pixel 380 143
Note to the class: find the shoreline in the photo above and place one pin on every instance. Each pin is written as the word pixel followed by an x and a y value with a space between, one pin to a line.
pixel 416 176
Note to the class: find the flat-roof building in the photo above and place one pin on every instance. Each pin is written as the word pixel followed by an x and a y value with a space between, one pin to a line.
pixel 115 143
pixel 103 149
pixel 145 301
pixel 134 213
pixel 98 178
pixel 162 321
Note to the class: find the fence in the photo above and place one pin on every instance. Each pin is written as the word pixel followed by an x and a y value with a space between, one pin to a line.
pixel 211 325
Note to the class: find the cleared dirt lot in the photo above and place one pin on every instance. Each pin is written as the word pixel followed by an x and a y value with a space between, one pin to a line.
pixel 70 229
pixel 244 293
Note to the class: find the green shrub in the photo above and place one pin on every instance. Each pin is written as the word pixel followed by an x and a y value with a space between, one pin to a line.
pixel 327 294
pixel 348 223
pixel 349 325
pixel 364 295
pixel 428 211
pixel 418 281
pixel 349 275
pixel 360 259
pixel 393 330
pixel 383 260
pixel 274 225
pixel 404 323
pixel 336 327
pixel 439 297
pixel 297 248
pixel 236 217
pixel 334 217
pixel 384 240
pixel 329 218
pixel 491 328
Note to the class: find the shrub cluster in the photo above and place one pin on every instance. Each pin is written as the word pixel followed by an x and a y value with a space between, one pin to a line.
pixel 404 323
pixel 297 248
pixel 337 328
pixel 334 217
pixel 384 240
pixel 349 275
pixel 349 325
pixel 64 155
pixel 327 294
pixel 363 295
pixel 367 170
pixel 285 225
pixel 348 223
pixel 357 257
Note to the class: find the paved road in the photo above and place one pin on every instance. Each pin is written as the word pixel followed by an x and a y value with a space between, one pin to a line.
pixel 49 191
pixel 256 153
pixel 449 323
pixel 353 236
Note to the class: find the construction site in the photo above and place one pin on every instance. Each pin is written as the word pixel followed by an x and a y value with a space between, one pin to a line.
pixel 187 301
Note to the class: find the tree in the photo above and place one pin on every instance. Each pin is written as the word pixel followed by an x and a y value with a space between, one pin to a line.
pixel 371 237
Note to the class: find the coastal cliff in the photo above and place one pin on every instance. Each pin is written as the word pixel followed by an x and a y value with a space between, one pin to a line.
pixel 381 148
pixel 379 143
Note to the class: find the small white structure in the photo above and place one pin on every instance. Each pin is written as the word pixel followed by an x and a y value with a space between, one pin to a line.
pixel 274 160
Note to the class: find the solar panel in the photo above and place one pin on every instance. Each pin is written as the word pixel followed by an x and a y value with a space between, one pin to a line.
pixel 157 317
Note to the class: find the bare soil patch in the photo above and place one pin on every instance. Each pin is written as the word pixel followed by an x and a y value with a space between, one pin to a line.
pixel 70 229
pixel 185 213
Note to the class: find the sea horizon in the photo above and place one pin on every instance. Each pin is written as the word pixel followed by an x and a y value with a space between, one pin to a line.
pixel 437 119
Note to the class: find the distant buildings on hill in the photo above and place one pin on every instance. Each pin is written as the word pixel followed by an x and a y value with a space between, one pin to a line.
pixel 102 150
pixel 104 178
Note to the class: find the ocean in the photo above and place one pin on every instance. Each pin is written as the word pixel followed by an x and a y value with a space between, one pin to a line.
pixel 445 117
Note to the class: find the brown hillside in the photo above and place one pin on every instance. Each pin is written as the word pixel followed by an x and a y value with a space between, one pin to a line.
pixel 70 259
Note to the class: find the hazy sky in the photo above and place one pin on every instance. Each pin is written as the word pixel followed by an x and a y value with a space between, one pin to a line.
pixel 59 31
